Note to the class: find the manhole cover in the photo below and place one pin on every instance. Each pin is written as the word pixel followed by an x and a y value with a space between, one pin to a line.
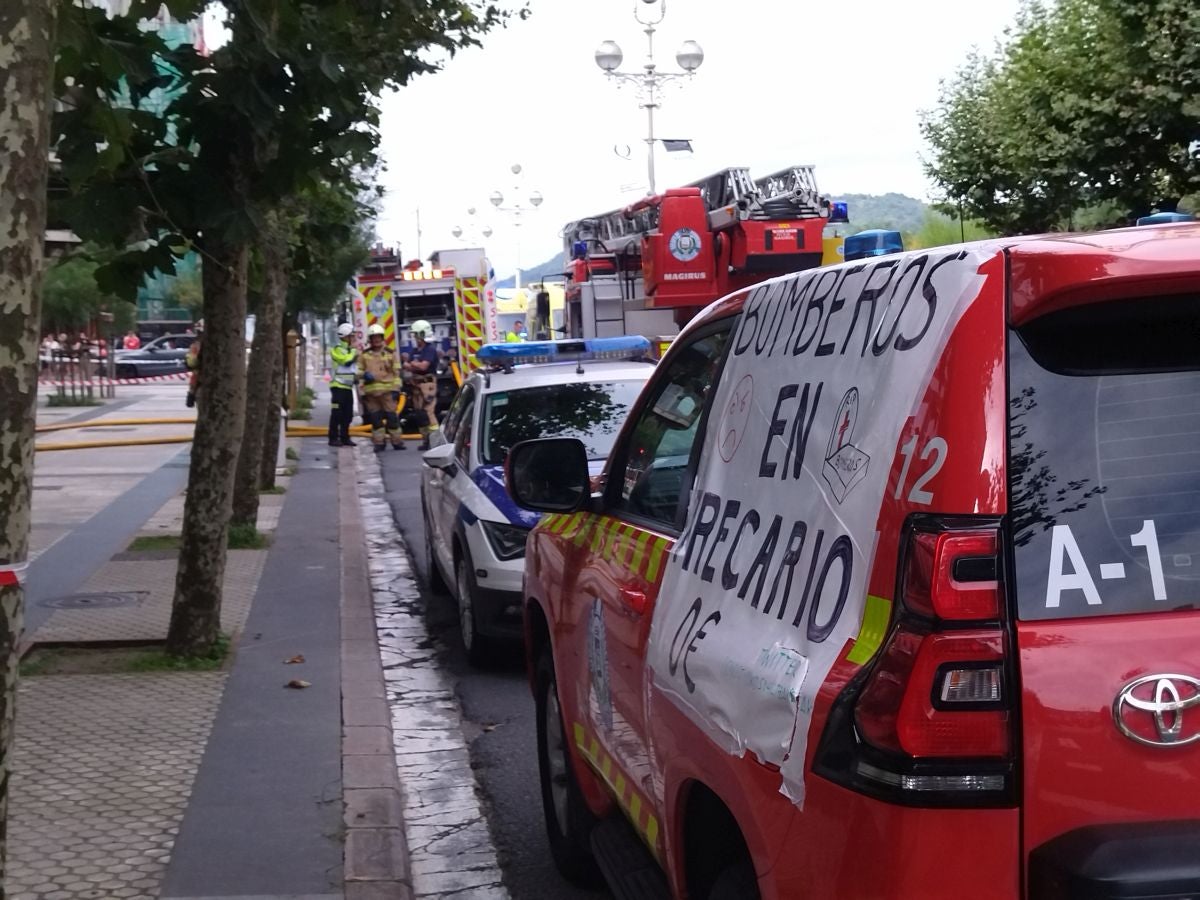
pixel 91 601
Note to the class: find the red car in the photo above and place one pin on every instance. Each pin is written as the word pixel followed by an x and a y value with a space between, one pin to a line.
pixel 891 589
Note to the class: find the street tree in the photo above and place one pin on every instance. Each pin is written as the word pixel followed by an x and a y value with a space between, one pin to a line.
pixel 26 64
pixel 1087 103
pixel 290 98
pixel 311 248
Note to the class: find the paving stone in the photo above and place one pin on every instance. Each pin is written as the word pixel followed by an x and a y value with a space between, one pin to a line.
pixel 376 854
pixel 101 771
pixel 374 807
pixel 366 739
pixel 153 584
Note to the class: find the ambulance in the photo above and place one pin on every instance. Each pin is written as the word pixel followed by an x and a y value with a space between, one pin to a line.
pixel 890 589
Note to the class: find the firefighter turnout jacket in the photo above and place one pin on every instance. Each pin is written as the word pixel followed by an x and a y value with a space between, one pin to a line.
pixel 380 365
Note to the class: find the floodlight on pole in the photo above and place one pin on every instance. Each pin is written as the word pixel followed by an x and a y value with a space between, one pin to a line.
pixel 689 57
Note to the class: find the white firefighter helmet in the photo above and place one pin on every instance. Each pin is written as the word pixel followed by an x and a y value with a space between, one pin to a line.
pixel 345 330
pixel 375 329
pixel 420 328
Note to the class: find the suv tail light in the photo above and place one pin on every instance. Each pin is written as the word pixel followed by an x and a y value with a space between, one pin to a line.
pixel 930 721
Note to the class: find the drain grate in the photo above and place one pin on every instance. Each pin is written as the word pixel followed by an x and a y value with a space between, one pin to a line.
pixel 107 600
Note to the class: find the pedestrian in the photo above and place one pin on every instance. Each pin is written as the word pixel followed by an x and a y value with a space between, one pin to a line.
pixel 344 356
pixel 192 361
pixel 132 341
pixel 421 374
pixel 380 391
pixel 517 333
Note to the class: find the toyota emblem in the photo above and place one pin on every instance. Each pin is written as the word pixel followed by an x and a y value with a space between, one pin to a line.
pixel 1150 710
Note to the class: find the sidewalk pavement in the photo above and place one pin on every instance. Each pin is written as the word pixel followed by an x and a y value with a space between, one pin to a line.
pixel 204 784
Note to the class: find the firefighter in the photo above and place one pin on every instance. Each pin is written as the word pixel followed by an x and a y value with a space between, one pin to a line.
pixel 421 373
pixel 192 361
pixel 344 357
pixel 380 391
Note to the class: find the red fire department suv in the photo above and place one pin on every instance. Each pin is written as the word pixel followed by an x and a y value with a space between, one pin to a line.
pixel 892 588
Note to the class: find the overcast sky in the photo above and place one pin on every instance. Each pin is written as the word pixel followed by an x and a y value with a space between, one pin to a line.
pixel 834 84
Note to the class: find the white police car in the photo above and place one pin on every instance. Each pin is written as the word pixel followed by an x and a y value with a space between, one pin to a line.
pixel 474 532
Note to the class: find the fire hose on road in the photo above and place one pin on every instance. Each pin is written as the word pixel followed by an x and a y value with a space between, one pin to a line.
pixel 299 431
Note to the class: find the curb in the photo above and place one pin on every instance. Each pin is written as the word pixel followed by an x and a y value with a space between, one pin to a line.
pixel 451 847
pixel 376 858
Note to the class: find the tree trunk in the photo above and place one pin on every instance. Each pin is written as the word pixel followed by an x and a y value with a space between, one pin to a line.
pixel 273 414
pixel 27 55
pixel 265 358
pixel 221 408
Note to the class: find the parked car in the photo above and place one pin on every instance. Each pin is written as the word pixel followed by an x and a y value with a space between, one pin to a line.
pixel 474 532
pixel 162 356
pixel 892 589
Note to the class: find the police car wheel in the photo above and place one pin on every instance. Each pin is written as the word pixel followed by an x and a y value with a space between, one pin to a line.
pixel 477 646
pixel 568 820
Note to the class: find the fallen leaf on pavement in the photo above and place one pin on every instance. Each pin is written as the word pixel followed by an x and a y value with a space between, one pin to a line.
pixel 298 683
pixel 298 658
pixel 492 726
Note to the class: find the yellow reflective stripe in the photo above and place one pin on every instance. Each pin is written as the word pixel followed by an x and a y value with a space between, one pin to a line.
pixel 639 551
pixel 876 615
pixel 652 831
pixel 655 559
pixel 614 538
pixel 629 533
pixel 635 809
pixel 579 735
pixel 622 790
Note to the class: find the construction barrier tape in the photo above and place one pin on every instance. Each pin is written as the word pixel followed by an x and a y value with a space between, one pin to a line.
pixel 12 574
pixel 102 380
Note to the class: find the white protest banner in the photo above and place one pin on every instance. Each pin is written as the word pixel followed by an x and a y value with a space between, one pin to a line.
pixel 768 580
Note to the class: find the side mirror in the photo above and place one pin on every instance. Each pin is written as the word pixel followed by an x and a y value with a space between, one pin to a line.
pixel 440 457
pixel 548 475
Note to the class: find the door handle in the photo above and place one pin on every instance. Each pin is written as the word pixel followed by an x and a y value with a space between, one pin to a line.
pixel 634 600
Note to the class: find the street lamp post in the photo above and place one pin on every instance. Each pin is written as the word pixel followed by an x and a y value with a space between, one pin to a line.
pixel 689 56
pixel 517 209
pixel 470 231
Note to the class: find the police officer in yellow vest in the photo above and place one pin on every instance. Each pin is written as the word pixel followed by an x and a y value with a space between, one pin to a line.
pixel 344 357
pixel 380 390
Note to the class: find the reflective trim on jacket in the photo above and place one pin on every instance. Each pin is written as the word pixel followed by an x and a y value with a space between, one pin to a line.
pixel 345 365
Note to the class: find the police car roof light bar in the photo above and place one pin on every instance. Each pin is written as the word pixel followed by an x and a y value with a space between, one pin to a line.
pixel 506 355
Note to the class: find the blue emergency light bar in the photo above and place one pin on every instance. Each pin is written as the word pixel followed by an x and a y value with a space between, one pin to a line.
pixel 511 354
pixel 1163 218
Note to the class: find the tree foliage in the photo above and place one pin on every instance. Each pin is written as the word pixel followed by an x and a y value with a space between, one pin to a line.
pixel 71 299
pixel 1087 103
pixel 166 151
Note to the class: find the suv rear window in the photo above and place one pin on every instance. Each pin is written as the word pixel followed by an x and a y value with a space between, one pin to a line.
pixel 1104 459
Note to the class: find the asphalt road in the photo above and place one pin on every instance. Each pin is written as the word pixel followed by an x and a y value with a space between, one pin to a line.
pixel 498 708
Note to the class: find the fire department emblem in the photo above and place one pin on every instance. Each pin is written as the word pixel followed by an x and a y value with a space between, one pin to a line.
pixel 684 245
pixel 379 306
pixel 845 465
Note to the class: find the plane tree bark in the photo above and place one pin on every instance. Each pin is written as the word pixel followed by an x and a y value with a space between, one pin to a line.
pixel 26 66
pixel 266 358
pixel 221 408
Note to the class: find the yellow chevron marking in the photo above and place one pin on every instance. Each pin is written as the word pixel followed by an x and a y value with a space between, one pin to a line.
pixel 655 559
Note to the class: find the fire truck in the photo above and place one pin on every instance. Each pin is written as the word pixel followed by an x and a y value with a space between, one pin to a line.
pixel 648 268
pixel 452 291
